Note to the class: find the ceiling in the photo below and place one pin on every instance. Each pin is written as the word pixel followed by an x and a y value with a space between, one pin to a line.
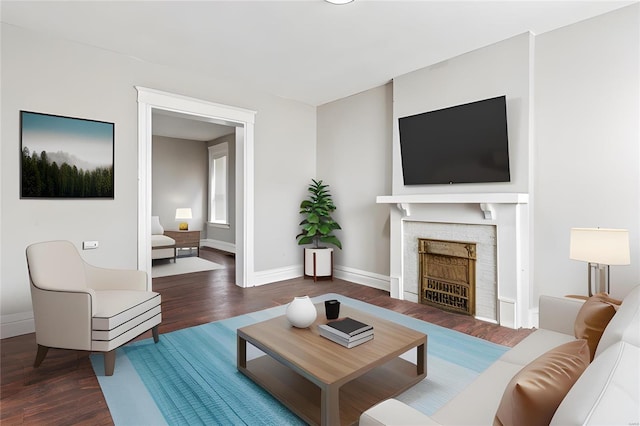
pixel 305 50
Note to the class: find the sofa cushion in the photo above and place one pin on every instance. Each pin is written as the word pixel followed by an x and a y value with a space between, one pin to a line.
pixel 158 241
pixel 592 319
pixel 477 403
pixel 534 345
pixel 625 324
pixel 394 412
pixel 116 307
pixel 535 392
pixel 607 393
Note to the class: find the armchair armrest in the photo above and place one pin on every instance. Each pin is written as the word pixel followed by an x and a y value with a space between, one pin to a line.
pixel 63 317
pixel 559 313
pixel 116 279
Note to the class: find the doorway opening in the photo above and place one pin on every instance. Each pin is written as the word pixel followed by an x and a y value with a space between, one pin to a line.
pixel 150 100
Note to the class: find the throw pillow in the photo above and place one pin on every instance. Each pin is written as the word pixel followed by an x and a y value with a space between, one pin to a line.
pixel 535 392
pixel 615 302
pixel 593 318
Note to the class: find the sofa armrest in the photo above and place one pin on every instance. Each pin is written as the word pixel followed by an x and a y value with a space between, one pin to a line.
pixel 559 313
pixel 116 279
pixel 63 317
pixel 607 393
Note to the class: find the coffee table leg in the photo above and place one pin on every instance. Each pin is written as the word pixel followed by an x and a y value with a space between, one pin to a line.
pixel 242 353
pixel 330 405
pixel 421 361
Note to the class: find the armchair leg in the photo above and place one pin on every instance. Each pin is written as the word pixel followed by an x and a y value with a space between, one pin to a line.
pixel 42 352
pixel 156 335
pixel 109 362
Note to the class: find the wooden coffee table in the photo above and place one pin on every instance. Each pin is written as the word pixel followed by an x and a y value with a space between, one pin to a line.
pixel 323 382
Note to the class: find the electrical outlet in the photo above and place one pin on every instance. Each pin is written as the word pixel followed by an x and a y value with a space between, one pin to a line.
pixel 89 245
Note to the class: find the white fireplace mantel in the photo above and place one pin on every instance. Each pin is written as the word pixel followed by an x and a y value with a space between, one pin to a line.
pixel 485 200
pixel 492 197
pixel 508 212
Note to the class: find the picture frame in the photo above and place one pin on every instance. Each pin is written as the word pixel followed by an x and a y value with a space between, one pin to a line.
pixel 66 157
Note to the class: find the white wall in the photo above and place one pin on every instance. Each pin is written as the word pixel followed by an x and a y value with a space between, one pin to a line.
pixel 43 74
pixel 179 179
pixel 285 154
pixel 354 140
pixel 587 145
pixel 499 69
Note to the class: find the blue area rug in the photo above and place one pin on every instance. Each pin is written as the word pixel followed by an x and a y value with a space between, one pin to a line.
pixel 190 376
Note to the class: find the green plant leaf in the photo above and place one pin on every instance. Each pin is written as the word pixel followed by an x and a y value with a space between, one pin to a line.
pixel 305 240
pixel 331 239
pixel 311 229
pixel 324 229
pixel 317 226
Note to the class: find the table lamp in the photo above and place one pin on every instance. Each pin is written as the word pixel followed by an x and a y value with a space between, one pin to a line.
pixel 599 247
pixel 183 214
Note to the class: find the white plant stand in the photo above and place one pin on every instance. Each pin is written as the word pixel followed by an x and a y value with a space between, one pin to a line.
pixel 318 263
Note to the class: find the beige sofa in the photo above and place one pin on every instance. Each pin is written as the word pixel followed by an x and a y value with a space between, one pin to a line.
pixel 607 392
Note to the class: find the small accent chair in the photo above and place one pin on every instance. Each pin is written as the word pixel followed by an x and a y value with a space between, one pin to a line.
pixel 83 307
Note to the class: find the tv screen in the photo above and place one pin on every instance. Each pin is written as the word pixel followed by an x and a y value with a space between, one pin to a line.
pixel 461 144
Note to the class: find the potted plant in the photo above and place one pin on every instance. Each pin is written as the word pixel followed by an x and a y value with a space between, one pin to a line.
pixel 317 228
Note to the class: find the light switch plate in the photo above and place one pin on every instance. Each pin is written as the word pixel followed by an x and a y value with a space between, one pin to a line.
pixel 89 245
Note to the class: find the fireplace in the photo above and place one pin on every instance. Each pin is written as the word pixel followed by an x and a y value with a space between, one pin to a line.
pixel 498 223
pixel 448 275
pixel 481 272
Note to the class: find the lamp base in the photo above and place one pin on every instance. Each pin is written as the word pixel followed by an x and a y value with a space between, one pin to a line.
pixel 598 275
pixel 184 226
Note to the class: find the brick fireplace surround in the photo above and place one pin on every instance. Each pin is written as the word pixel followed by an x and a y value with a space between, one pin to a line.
pixel 498 222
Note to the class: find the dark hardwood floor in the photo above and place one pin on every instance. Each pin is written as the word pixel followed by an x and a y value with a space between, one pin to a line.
pixel 64 389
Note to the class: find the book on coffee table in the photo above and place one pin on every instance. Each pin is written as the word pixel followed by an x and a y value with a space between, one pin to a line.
pixel 326 330
pixel 346 327
pixel 348 343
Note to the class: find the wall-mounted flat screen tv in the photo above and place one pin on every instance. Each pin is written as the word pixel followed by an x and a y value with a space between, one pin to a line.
pixel 461 144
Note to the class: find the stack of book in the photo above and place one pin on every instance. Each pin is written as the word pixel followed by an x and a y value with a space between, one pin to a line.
pixel 347 331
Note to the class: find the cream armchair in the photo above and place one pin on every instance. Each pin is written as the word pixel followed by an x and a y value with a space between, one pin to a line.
pixel 82 307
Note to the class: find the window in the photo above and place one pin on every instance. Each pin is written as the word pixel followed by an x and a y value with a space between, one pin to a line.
pixel 218 170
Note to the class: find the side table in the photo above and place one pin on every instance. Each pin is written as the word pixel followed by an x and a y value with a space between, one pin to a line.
pixel 185 239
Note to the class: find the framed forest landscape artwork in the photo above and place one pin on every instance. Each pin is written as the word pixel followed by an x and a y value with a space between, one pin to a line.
pixel 65 157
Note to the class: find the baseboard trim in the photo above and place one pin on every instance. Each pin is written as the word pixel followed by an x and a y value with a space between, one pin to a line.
pixel 358 276
pixel 534 317
pixel 218 245
pixel 507 311
pixel 16 324
pixel 278 274
pixel 353 275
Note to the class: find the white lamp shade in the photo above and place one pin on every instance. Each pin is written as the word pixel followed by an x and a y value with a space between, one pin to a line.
pixel 599 245
pixel 183 213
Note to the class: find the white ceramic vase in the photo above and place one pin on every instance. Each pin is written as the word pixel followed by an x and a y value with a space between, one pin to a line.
pixel 301 312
